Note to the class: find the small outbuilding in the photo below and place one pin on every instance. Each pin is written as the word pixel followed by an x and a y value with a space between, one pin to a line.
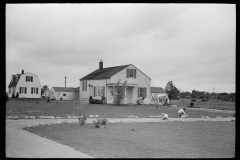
pixel 159 93
pixel 62 93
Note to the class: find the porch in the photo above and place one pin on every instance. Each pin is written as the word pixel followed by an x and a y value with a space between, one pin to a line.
pixel 130 92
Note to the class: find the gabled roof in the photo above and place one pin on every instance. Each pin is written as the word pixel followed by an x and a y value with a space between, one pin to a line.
pixel 63 89
pixel 157 90
pixel 105 74
pixel 13 82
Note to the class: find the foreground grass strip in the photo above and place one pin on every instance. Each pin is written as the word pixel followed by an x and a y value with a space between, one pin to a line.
pixel 147 140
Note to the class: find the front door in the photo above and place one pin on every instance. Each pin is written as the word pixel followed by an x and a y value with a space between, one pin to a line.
pixel 129 95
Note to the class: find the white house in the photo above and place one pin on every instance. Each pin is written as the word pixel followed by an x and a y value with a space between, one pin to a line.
pixel 101 82
pixel 62 93
pixel 26 85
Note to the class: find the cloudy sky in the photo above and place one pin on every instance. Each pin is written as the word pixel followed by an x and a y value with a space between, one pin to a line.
pixel 194 45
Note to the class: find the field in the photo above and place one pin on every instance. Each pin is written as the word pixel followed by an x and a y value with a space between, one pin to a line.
pixel 33 107
pixel 147 140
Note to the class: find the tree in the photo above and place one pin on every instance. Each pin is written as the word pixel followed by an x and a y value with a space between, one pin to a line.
pixel 118 92
pixel 172 91
pixel 43 89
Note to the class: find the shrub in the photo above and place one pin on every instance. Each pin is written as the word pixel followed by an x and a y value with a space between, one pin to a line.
pixel 97 123
pixel 193 100
pixel 13 96
pixel 118 93
pixel 204 100
pixel 138 101
pixel 104 121
pixel 17 95
pixel 82 120
pixel 48 100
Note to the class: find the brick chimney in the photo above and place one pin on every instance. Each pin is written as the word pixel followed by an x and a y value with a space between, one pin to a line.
pixel 22 71
pixel 100 66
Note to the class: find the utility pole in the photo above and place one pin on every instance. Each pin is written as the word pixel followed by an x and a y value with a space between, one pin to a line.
pixel 65 81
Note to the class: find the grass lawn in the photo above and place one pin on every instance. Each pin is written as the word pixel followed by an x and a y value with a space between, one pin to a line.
pixel 66 108
pixel 147 140
pixel 211 104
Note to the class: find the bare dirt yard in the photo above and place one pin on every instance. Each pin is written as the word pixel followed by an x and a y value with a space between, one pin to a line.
pixel 146 140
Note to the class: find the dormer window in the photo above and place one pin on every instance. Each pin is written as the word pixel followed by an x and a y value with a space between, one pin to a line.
pixel 29 78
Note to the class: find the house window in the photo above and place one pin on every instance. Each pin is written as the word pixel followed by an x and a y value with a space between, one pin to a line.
pixel 23 90
pixel 99 91
pixel 9 90
pixel 131 73
pixel 142 92
pixel 84 85
pixel 64 94
pixel 34 90
pixel 29 78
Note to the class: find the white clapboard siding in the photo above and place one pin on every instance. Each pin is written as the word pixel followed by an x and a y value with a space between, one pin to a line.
pixel 59 95
pixel 35 83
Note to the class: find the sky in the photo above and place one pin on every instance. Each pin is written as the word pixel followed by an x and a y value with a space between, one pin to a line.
pixel 192 45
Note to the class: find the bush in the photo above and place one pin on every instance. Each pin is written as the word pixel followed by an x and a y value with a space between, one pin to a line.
pixel 104 121
pixel 48 100
pixel 13 96
pixel 138 101
pixel 204 100
pixel 82 120
pixel 97 123
pixel 193 100
pixel 17 95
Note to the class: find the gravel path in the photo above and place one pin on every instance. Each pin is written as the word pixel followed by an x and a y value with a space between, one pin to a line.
pixel 23 144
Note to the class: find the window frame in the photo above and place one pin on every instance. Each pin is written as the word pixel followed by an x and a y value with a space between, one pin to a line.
pixel 34 90
pixel 29 78
pixel 99 91
pixel 142 91
pixel 131 73
pixel 84 85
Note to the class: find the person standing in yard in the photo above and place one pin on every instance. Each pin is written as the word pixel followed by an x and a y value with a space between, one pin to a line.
pixel 181 113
